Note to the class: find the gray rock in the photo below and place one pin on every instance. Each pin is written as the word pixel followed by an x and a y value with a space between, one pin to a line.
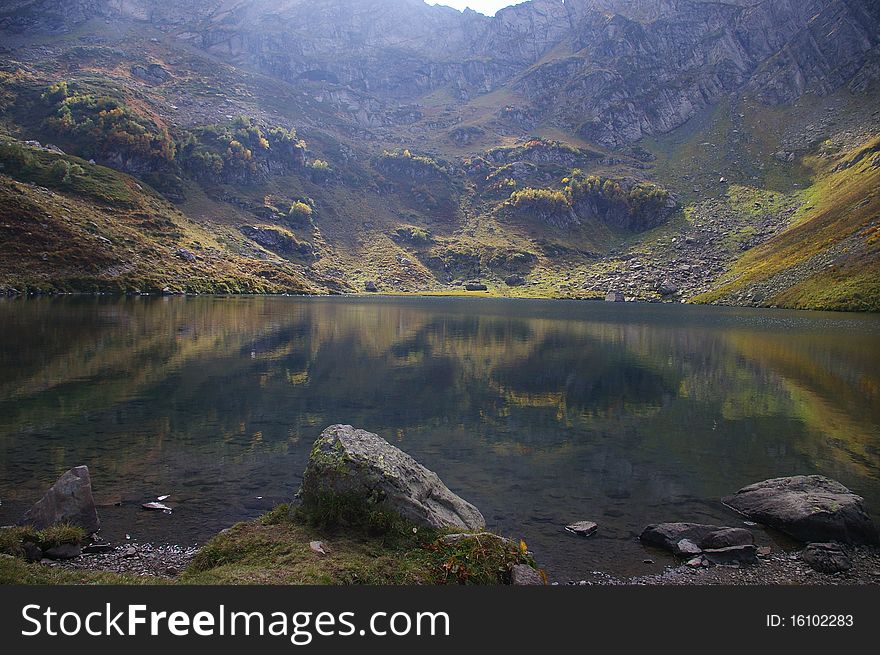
pixel 350 462
pixel 727 537
pixel 742 555
pixel 808 508
pixel 514 280
pixel 64 551
pixel 582 528
pixel 614 296
pixel 475 286
pixel 370 286
pixel 667 535
pixel 686 548
pixel 525 575
pixel 667 288
pixel 152 73
pixel 826 558
pixel 318 547
pixel 156 507
pixel 32 552
pixel 186 255
pixel 69 500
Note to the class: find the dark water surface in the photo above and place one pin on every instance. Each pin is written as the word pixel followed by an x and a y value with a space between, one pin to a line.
pixel 539 412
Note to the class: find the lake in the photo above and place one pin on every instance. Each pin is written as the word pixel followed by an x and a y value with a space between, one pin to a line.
pixel 541 413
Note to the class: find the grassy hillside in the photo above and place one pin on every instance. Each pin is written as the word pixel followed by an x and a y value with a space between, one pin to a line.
pixel 70 226
pixel 829 258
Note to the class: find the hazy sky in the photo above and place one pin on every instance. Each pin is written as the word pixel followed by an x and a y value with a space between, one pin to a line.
pixel 488 7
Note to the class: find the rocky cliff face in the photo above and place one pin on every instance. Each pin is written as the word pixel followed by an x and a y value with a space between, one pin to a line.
pixel 625 79
pixel 611 70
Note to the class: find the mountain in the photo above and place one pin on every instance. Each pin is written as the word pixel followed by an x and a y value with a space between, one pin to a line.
pixel 666 149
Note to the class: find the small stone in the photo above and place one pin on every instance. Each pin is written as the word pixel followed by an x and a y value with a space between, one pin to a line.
pixel 131 551
pixel 156 507
pixel 525 575
pixel 318 547
pixel 582 528
pixel 370 287
pixel 764 551
pixel 94 549
pixel 686 547
pixel 746 554
pixel 696 562
pixel 826 558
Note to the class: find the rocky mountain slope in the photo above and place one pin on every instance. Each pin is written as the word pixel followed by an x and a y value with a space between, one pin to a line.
pixel 654 147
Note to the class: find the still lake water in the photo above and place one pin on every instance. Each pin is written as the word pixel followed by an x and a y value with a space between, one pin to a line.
pixel 539 412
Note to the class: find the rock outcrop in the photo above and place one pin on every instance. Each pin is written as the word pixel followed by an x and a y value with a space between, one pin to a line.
pixel 355 464
pixel 69 500
pixel 808 508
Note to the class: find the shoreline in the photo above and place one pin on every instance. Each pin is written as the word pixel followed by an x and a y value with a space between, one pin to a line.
pixel 15 295
pixel 169 561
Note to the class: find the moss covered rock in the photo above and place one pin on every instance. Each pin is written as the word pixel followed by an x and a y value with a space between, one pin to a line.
pixel 351 467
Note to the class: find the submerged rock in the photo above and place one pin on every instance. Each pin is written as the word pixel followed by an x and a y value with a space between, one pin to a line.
pixel 351 463
pixel 69 500
pixel 808 508
pixel 826 558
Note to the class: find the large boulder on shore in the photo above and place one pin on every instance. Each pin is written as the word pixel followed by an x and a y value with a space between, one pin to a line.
pixel 351 463
pixel 69 500
pixel 808 508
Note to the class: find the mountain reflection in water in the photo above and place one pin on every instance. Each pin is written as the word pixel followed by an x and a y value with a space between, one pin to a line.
pixel 539 412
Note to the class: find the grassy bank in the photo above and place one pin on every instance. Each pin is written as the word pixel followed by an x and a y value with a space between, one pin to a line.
pixel 280 548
